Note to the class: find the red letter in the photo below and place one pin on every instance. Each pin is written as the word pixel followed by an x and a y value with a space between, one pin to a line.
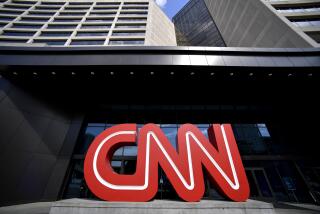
pixel 219 156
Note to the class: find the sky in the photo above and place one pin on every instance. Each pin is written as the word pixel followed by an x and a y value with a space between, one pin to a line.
pixel 171 7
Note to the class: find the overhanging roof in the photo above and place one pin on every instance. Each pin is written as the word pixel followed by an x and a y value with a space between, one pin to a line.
pixel 164 56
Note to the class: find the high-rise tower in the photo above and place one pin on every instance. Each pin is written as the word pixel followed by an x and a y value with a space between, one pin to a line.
pixel 84 23
pixel 251 23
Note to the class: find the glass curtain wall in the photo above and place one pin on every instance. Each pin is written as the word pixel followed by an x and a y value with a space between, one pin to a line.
pixel 271 180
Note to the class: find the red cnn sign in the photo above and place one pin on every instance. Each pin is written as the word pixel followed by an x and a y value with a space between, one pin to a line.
pixel 219 156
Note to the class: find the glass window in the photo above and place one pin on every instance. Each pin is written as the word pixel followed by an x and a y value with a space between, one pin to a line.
pixel 253 187
pixel 129 167
pixel 9 12
pixel 134 13
pixel 92 33
pixel 204 129
pixel 76 8
pixel 126 42
pixel 263 184
pixel 116 165
pixel 27 26
pixel 249 139
pixel 97 124
pixel 13 41
pixel 195 26
pixel 43 8
pixel 118 152
pixel 29 19
pixel 51 3
pixel 134 8
pixel 87 42
pixel 131 19
pixel 23 2
pixel 71 14
pixel 304 23
pixel 33 13
pixel 56 34
pixel 136 3
pixel 130 151
pixel 90 133
pixel 109 3
pixel 293 182
pixel 18 33
pixel 128 33
pixel 84 26
pixel 105 8
pixel 16 6
pixel 76 187
pixel 50 42
pixel 99 19
pixel 311 174
pixel 315 23
pixel 171 132
pixel 130 26
pixel 80 3
pixel 102 13
pixel 52 26
pixel 6 18
pixel 263 130
pixel 275 182
pixel 313 9
pixel 315 36
pixel 66 20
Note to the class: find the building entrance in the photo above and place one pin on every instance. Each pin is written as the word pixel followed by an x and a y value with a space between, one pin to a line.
pixel 260 187
pixel 273 175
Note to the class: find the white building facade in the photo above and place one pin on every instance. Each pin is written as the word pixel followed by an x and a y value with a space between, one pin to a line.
pixel 84 23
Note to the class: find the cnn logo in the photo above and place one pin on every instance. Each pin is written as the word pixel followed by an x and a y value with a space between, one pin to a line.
pixel 218 155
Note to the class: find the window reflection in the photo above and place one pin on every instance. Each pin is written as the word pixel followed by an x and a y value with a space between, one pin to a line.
pixel 263 130
pixel 251 138
pixel 77 187
pixel 195 26
pixel 171 131
pixel 130 151
pixel 90 133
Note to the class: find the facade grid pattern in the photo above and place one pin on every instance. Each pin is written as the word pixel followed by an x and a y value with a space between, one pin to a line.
pixel 304 15
pixel 196 27
pixel 73 23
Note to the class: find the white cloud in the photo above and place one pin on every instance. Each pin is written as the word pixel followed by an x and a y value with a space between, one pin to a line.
pixel 161 3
